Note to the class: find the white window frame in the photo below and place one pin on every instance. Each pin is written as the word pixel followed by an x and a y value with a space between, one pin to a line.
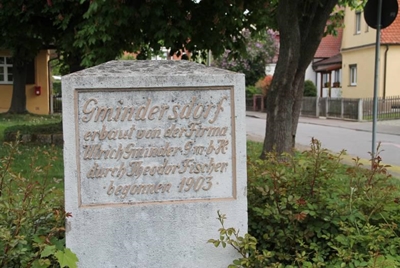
pixel 5 66
pixel 358 22
pixel 353 74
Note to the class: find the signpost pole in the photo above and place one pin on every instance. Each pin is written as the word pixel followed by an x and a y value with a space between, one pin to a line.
pixel 376 82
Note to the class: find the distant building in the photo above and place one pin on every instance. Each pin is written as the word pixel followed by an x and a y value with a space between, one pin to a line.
pixel 358 57
pixel 327 65
pixel 37 76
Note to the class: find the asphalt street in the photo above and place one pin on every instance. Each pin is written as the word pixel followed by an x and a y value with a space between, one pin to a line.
pixel 337 135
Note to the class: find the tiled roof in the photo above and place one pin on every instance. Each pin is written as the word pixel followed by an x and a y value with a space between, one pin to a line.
pixel 330 45
pixel 391 34
pixel 329 64
pixel 334 59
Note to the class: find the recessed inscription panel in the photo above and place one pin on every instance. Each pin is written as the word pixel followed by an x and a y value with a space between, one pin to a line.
pixel 155 145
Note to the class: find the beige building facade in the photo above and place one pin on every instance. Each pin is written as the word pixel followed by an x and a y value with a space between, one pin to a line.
pixel 358 58
pixel 39 80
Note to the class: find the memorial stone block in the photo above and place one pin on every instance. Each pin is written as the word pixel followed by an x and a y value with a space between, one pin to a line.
pixel 153 149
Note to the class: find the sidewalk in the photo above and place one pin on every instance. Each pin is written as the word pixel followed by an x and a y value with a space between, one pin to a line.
pixel 391 127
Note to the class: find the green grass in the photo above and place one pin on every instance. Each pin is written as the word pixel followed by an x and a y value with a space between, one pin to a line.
pixel 25 159
pixel 254 149
pixel 28 158
pixel 383 116
pixel 8 120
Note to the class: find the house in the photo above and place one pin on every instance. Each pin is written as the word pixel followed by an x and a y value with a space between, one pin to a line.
pixel 325 68
pixel 358 58
pixel 38 79
pixel 327 64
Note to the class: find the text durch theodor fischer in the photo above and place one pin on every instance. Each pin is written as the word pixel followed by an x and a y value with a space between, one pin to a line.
pixel 180 151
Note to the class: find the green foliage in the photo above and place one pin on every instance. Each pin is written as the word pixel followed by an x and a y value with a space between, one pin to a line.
pixel 30 30
pixel 310 90
pixel 309 210
pixel 55 67
pixel 97 31
pixel 260 49
pixel 8 120
pixel 251 91
pixel 245 245
pixel 32 215
pixel 57 88
pixel 25 155
pixel 11 132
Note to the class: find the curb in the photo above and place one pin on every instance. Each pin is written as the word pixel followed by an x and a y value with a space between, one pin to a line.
pixel 356 129
pixel 337 126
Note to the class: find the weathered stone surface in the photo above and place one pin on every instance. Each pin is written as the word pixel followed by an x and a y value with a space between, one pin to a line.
pixel 153 149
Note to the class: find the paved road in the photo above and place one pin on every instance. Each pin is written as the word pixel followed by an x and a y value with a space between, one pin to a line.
pixel 357 142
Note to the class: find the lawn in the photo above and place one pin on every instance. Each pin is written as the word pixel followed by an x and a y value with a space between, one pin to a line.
pixel 28 157
pixel 32 214
pixel 8 120
pixel 383 116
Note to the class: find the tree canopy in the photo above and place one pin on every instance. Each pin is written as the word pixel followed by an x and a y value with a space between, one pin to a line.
pixel 107 28
pixel 88 32
pixel 260 50
pixel 25 28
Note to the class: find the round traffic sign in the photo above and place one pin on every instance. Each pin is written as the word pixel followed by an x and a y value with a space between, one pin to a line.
pixel 390 9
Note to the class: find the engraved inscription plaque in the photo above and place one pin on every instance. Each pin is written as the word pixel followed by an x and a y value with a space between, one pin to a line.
pixel 155 145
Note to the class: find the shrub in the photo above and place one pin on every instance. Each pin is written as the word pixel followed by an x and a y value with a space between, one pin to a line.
pixel 251 91
pixel 10 133
pixel 263 84
pixel 57 88
pixel 32 215
pixel 308 210
pixel 310 90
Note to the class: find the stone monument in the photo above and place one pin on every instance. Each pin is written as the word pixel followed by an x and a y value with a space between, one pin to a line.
pixel 152 150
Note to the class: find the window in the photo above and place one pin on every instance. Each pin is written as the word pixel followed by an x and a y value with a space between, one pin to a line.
pixel 358 22
pixel 6 76
pixel 338 76
pixel 325 79
pixel 353 74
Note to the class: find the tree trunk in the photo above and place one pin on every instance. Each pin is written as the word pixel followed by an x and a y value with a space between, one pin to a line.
pixel 299 85
pixel 18 102
pixel 301 26
pixel 278 134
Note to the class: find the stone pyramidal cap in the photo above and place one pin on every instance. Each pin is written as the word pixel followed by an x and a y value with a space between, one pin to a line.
pixel 150 68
